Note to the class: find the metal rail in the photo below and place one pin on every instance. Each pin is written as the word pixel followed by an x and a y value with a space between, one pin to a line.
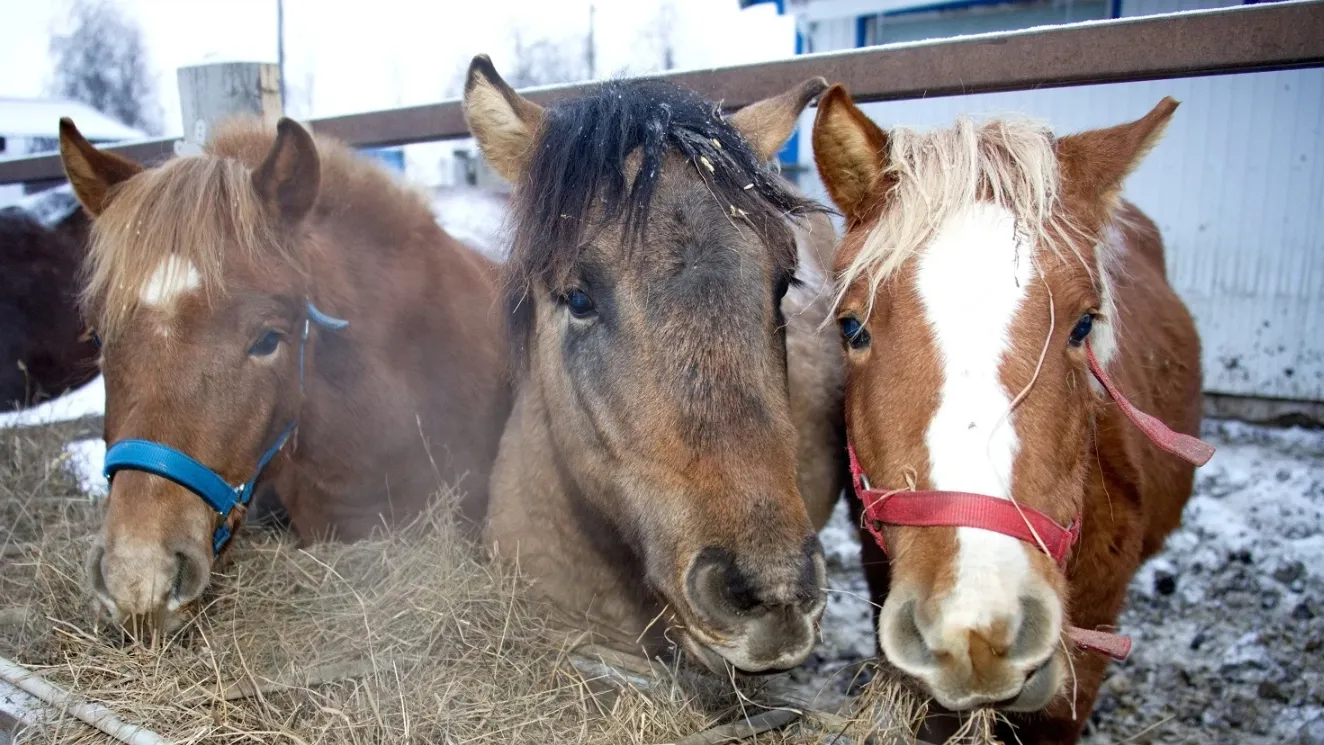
pixel 1250 38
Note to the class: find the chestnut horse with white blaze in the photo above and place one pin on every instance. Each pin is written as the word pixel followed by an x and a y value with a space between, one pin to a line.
pixel 998 302
pixel 677 437
pixel 277 315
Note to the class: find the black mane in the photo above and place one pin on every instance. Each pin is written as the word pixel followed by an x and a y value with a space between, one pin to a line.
pixel 578 168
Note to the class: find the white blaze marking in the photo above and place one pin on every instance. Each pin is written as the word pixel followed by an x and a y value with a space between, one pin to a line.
pixel 972 280
pixel 172 278
pixel 1103 337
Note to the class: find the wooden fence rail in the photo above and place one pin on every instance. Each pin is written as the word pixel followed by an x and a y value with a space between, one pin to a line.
pixel 1250 38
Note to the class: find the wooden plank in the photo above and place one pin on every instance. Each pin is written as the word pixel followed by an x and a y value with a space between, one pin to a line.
pixel 1233 40
pixel 1242 39
pixel 209 94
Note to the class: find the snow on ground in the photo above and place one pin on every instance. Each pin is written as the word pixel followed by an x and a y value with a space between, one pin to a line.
pixel 89 400
pixel 1228 621
pixel 86 460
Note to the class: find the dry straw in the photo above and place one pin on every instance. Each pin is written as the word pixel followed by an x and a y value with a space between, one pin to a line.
pixel 410 637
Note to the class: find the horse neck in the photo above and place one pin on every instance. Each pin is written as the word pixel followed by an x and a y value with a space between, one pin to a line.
pixel 1157 366
pixel 382 285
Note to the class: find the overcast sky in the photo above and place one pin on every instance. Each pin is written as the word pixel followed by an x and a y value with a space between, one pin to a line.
pixel 364 55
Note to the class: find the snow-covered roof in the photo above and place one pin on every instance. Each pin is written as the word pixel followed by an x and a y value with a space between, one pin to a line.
pixel 49 207
pixel 40 117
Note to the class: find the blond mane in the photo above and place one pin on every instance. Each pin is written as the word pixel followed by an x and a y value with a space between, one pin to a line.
pixel 204 210
pixel 935 174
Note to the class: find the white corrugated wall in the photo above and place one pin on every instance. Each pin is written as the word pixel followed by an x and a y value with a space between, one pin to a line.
pixel 1236 186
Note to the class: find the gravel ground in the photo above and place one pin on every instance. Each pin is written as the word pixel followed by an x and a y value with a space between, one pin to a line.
pixel 1228 621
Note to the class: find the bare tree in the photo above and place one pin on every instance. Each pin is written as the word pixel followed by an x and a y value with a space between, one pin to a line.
pixel 662 34
pixel 657 40
pixel 102 62
pixel 545 62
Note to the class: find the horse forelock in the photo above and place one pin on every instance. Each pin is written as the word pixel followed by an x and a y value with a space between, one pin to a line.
pixel 933 176
pixel 192 222
pixel 170 226
pixel 598 161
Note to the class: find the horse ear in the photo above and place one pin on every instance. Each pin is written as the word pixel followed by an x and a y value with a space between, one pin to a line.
pixel 768 124
pixel 1096 162
pixel 91 172
pixel 289 177
pixel 850 152
pixel 504 122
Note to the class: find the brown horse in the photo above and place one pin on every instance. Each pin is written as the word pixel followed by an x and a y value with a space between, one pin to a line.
pixel 211 281
pixel 675 397
pixel 989 270
pixel 43 348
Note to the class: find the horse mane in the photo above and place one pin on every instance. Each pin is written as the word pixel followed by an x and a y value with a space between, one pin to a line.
pixel 932 175
pixel 584 174
pixel 203 209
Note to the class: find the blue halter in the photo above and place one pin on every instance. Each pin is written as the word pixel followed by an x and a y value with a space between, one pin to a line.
pixel 174 465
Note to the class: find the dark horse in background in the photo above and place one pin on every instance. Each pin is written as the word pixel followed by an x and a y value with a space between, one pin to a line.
pixel 44 350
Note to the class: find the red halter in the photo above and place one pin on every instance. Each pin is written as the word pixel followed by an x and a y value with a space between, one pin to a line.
pixel 931 508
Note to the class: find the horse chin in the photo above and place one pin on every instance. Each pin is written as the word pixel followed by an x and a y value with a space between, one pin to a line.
pixel 146 629
pixel 705 655
pixel 724 659
pixel 1041 687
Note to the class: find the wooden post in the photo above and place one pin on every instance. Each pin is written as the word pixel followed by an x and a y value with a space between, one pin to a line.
pixel 209 94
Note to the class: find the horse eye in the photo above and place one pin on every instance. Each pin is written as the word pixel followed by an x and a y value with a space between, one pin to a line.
pixel 1081 330
pixel 266 344
pixel 579 303
pixel 853 332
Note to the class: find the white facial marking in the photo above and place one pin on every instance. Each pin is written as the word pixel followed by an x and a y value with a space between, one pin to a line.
pixel 1103 336
pixel 972 280
pixel 172 278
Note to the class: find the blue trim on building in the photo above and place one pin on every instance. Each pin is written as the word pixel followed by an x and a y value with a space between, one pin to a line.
pixel 940 6
pixel 781 5
pixel 789 155
pixel 861 31
pixel 1115 9
pixel 391 157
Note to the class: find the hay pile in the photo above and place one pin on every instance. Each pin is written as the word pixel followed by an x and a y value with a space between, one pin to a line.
pixel 406 638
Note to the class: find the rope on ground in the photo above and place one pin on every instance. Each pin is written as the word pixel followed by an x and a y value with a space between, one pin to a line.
pixel 736 731
pixel 90 713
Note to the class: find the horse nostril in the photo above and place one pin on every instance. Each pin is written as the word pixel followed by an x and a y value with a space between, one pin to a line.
pixel 813 579
pixel 191 574
pixel 1037 633
pixel 96 574
pixel 906 646
pixel 717 586
pixel 720 587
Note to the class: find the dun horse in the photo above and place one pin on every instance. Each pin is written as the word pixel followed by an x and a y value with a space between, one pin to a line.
pixel 675 399
pixel 275 313
pixel 997 299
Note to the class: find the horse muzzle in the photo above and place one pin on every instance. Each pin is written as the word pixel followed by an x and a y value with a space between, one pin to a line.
pixel 148 587
pixel 758 615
